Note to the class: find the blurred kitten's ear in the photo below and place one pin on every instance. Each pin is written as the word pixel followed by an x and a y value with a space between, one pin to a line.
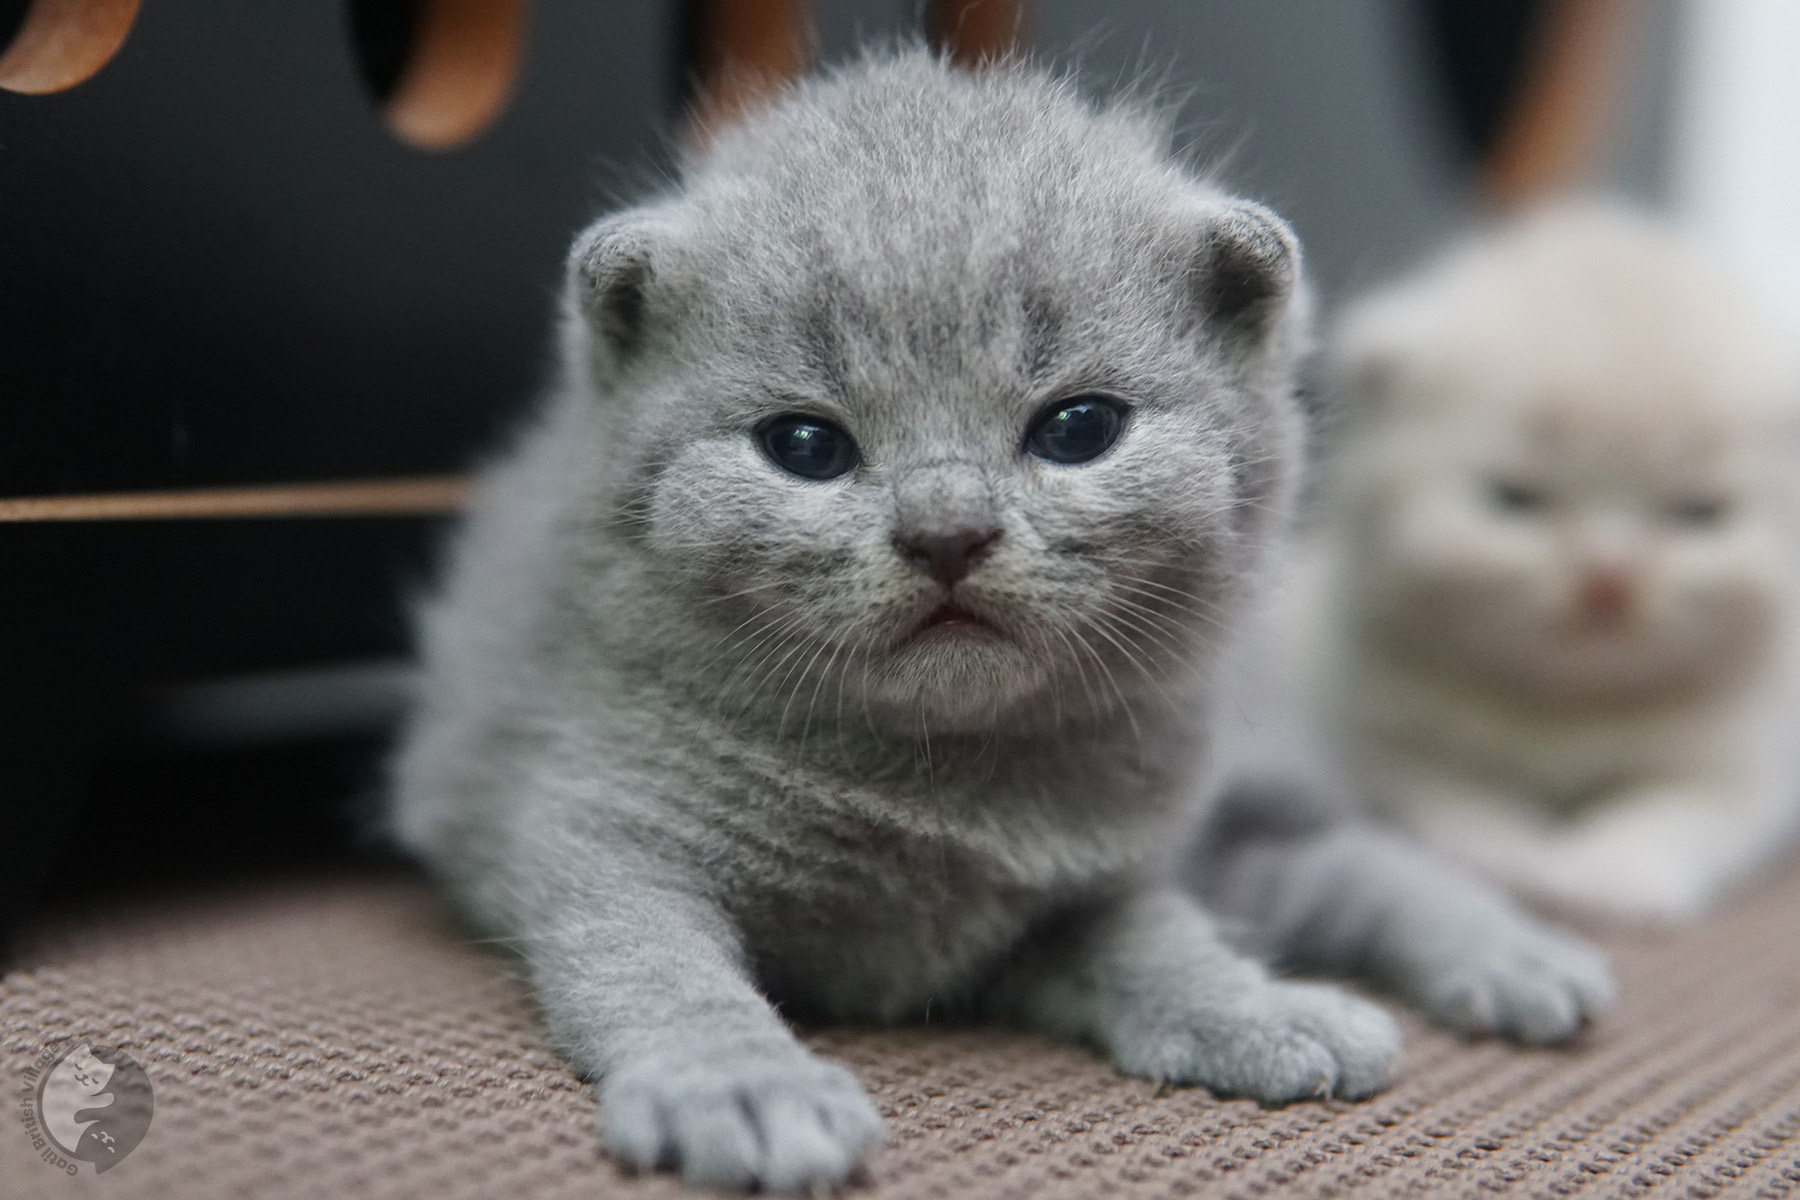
pixel 1360 378
pixel 1367 353
pixel 1247 271
pixel 611 270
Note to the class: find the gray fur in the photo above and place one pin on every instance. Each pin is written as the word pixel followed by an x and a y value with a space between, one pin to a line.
pixel 1299 877
pixel 1348 898
pixel 676 744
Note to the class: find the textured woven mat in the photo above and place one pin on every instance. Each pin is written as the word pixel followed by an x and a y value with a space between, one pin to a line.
pixel 334 1037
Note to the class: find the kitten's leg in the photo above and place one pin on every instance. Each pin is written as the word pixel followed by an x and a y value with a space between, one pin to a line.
pixel 645 985
pixel 1504 837
pixel 1663 853
pixel 1149 979
pixel 1357 900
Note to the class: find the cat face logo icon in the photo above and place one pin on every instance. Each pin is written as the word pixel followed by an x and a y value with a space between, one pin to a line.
pixel 93 1105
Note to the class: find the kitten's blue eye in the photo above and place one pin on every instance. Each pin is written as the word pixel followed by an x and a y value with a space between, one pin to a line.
pixel 1076 431
pixel 807 446
pixel 1511 497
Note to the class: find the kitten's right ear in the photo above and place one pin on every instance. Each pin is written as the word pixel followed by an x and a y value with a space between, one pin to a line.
pixel 1247 271
pixel 611 273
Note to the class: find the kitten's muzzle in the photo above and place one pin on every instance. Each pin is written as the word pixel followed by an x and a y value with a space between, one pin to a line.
pixel 945 519
pixel 1606 597
pixel 948 556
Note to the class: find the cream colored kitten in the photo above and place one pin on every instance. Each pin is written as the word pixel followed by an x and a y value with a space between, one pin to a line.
pixel 1559 564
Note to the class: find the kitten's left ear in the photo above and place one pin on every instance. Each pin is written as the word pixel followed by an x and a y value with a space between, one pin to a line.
pixel 1246 271
pixel 612 269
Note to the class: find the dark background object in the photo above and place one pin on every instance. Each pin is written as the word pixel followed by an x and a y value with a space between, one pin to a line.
pixel 1479 55
pixel 239 811
pixel 12 15
pixel 51 707
pixel 382 35
pixel 221 268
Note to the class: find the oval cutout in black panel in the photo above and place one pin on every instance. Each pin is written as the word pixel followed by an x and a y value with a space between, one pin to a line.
pixel 52 45
pixel 441 70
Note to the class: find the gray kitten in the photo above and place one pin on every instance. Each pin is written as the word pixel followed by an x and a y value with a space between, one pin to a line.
pixel 843 635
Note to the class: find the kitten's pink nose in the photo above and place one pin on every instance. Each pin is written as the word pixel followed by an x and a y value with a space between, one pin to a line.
pixel 1606 595
pixel 948 556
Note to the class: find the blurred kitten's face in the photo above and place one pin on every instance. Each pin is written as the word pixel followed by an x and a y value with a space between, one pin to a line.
pixel 1585 551
pixel 1033 520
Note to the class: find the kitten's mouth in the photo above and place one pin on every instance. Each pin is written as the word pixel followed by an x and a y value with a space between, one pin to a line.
pixel 950 619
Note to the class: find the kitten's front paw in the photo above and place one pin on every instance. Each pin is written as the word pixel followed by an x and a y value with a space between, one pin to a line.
pixel 1525 982
pixel 771 1118
pixel 1282 1042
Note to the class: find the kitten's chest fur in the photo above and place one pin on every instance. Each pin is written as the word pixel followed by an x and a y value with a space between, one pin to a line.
pixel 1567 757
pixel 877 893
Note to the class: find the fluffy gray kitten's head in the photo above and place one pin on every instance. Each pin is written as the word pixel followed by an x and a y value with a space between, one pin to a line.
pixel 949 397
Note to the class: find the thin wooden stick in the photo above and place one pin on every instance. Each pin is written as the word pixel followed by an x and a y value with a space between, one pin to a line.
pixel 418 496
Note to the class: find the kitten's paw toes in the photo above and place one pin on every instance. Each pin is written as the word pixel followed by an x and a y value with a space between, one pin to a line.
pixel 1537 986
pixel 778 1120
pixel 1287 1041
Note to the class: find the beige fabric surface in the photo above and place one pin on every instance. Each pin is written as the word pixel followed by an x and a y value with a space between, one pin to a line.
pixel 336 1037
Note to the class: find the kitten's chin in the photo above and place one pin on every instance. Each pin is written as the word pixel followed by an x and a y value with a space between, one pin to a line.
pixel 954 677
pixel 1620 673
pixel 1607 669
